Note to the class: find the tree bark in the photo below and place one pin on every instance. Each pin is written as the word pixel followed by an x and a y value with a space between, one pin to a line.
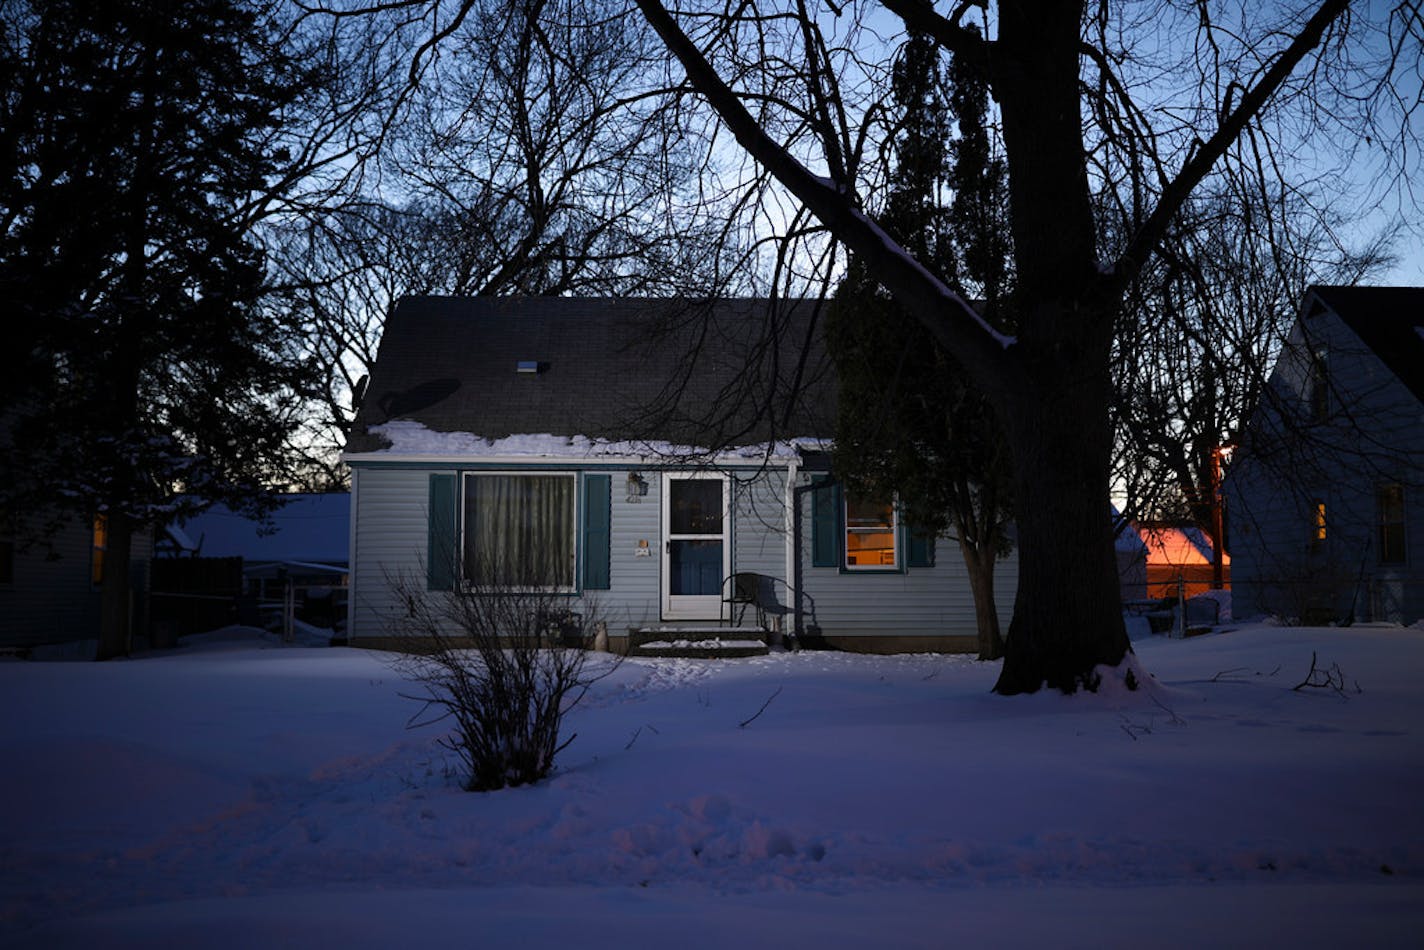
pixel 986 615
pixel 114 606
pixel 1068 612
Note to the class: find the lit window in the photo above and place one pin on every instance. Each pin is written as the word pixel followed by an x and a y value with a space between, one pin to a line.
pixel 1317 527
pixel 1389 503
pixel 100 547
pixel 519 531
pixel 870 534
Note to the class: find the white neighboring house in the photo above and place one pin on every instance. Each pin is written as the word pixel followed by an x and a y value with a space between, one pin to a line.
pixel 1326 493
pixel 571 427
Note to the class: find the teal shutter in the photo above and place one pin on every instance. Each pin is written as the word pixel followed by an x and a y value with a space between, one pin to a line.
pixel 826 538
pixel 921 549
pixel 440 560
pixel 597 533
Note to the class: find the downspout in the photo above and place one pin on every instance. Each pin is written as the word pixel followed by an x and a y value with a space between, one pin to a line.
pixel 351 561
pixel 798 493
pixel 793 539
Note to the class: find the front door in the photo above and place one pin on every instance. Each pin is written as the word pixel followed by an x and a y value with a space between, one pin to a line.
pixel 696 552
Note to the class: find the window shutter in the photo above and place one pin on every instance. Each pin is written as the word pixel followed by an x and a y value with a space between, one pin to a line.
pixel 826 539
pixel 921 549
pixel 440 558
pixel 597 533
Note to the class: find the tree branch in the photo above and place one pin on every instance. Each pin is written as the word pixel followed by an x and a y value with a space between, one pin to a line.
pixel 954 323
pixel 1204 158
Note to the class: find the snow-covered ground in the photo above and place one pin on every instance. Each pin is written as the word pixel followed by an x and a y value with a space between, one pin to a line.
pixel 237 793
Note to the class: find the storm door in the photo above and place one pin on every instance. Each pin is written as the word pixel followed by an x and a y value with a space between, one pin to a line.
pixel 696 551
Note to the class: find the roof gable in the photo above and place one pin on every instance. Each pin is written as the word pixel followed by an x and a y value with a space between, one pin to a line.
pixel 1388 320
pixel 623 370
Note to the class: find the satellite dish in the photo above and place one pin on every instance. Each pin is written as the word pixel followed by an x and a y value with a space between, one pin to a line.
pixel 358 392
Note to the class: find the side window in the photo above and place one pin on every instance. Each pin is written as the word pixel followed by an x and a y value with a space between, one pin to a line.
pixel 871 534
pixel 1389 507
pixel 1319 393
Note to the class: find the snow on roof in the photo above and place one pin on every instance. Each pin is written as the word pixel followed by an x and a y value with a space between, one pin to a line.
pixel 1177 546
pixel 409 438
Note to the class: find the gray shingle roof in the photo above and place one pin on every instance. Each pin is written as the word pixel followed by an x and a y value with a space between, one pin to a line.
pixel 1390 321
pixel 686 372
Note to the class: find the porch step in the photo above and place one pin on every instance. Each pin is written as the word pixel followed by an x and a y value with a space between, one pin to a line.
pixel 698 642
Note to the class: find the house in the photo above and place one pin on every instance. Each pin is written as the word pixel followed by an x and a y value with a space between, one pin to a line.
pixel 1326 493
pixel 654 450
pixel 49 581
pixel 1131 555
pixel 225 556
pixel 1179 555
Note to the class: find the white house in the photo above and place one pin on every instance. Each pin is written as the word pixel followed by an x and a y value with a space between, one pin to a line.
pixel 1326 494
pixel 580 427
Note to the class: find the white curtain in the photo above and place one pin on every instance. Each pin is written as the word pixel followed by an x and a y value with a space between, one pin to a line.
pixel 519 530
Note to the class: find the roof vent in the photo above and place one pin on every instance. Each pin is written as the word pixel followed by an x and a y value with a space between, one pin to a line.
pixel 529 366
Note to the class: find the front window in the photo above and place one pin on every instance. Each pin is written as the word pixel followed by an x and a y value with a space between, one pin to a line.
pixel 1389 503
pixel 519 531
pixel 870 534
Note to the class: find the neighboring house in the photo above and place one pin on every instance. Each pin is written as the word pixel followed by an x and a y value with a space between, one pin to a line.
pixel 49 582
pixel 1131 555
pixel 572 427
pixel 1326 493
pixel 303 544
pixel 1179 554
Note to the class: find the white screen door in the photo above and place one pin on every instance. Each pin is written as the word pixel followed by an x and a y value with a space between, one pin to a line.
pixel 696 553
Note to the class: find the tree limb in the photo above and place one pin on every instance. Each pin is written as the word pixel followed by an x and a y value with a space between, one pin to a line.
pixel 951 319
pixel 1205 157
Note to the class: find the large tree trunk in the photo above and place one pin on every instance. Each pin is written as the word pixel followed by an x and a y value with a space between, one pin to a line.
pixel 1068 612
pixel 114 593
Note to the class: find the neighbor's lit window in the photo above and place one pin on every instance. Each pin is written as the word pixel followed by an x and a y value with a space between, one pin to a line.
pixel 870 534
pixel 519 531
pixel 100 548
pixel 1389 504
pixel 1317 527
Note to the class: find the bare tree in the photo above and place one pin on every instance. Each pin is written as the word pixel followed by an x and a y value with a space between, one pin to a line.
pixel 1200 330
pixel 531 148
pixel 1085 108
pixel 505 658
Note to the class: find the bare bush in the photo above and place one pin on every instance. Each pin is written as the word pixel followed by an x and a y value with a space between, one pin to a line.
pixel 506 664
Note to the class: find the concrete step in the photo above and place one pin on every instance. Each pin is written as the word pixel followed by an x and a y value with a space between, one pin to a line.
pixel 699 641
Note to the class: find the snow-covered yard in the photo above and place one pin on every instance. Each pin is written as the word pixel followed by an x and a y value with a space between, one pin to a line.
pixel 236 793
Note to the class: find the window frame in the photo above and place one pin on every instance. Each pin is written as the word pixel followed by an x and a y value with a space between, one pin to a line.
pixel 1393 530
pixel 897 546
pixel 465 582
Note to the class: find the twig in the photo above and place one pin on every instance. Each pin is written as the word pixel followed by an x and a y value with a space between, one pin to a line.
pixel 747 722
pixel 1234 669
pixel 1332 678
pixel 1175 720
